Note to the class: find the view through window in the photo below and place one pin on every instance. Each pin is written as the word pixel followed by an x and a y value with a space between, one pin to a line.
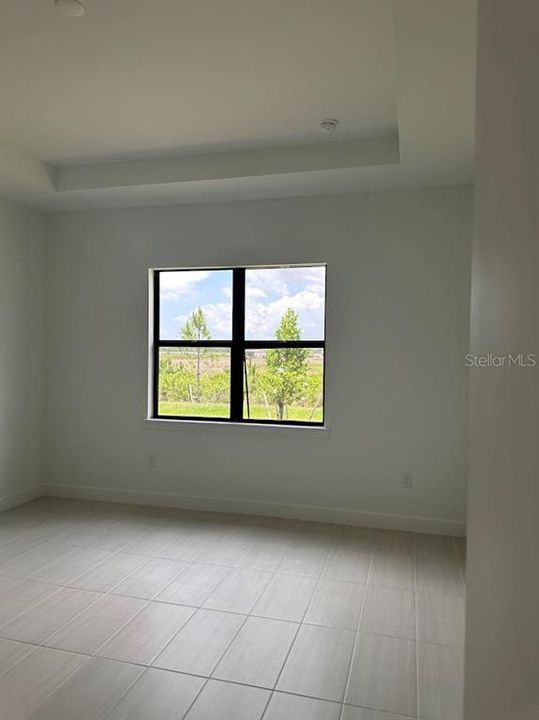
pixel 240 344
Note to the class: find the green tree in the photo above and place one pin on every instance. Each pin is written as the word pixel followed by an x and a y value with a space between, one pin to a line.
pixel 285 377
pixel 196 329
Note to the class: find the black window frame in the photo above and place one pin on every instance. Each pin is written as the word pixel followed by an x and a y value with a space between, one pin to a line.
pixel 237 345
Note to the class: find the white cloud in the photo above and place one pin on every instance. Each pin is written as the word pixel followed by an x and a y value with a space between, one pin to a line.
pixel 174 285
pixel 266 280
pixel 251 292
pixel 219 320
pixel 262 319
pixel 277 281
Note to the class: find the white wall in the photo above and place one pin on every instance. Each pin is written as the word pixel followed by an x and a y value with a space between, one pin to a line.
pixel 502 658
pixel 397 333
pixel 21 355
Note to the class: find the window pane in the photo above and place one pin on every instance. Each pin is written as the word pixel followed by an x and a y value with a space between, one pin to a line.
pixel 195 304
pixel 284 384
pixel 194 382
pixel 271 293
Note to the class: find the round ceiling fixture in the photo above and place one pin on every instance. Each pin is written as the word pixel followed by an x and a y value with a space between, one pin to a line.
pixel 329 125
pixel 73 8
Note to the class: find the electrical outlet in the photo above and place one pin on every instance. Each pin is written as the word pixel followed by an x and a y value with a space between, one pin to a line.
pixel 151 461
pixel 407 480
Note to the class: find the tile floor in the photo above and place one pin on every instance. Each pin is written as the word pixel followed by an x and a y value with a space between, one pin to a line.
pixel 129 613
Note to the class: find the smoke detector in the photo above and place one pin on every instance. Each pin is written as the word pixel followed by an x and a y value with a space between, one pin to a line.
pixel 329 125
pixel 73 8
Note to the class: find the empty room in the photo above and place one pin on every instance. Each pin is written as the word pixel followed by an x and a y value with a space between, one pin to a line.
pixel 269 342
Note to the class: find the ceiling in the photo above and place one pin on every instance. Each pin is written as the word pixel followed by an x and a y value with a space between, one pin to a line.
pixel 179 101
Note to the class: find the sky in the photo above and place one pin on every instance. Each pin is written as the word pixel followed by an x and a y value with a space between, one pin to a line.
pixel 269 293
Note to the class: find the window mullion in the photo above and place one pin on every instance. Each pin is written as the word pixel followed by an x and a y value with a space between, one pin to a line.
pixel 237 351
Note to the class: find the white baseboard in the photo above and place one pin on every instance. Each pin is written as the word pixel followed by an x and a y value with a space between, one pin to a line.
pixel 20 497
pixel 342 516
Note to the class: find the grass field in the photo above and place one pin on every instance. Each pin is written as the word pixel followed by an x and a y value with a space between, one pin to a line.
pixel 218 410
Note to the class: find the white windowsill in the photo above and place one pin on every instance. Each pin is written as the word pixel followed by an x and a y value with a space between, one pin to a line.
pixel 315 431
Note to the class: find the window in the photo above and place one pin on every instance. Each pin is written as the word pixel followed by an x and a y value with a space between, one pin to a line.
pixel 244 344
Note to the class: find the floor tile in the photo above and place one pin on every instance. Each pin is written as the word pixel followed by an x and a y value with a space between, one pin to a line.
pixel 392 568
pixel 440 619
pixel 350 557
pixel 283 706
pixel 150 578
pixel 35 561
pixel 389 611
pixel 49 529
pixel 84 531
pixel 435 547
pixel 440 682
pixel 253 579
pixel 115 537
pixel 194 584
pixel 151 542
pixel 48 615
pixel 225 701
pixel 109 573
pixel 355 713
pixel 93 627
pixel 336 604
pixel 230 547
pixel 8 584
pixel 383 675
pixel 395 541
pixel 13 529
pixel 239 591
pixel 200 644
pixel 442 577
pixel 65 569
pixel 257 653
pixel 266 553
pixel 28 684
pixel 158 695
pixel 11 652
pixel 188 546
pixel 307 554
pixel 147 634
pixel 90 693
pixel 14 549
pixel 286 597
pixel 17 596
pixel 318 663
